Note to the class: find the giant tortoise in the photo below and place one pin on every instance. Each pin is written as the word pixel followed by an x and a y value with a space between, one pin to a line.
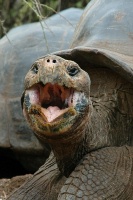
pixel 19 49
pixel 80 101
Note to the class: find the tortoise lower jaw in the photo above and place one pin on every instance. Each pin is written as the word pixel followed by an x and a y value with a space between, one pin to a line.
pixel 51 115
pixel 44 128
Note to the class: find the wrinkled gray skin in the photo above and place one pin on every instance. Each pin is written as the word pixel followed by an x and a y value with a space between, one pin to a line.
pixel 105 170
pixel 27 43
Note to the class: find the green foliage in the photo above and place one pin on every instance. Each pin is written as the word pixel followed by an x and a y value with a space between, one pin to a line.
pixel 16 12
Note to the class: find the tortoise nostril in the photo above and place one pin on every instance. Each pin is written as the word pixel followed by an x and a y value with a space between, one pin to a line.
pixel 54 61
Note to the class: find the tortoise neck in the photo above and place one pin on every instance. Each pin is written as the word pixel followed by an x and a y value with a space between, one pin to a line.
pixel 69 152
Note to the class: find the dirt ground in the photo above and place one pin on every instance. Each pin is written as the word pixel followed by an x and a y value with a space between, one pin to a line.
pixel 7 186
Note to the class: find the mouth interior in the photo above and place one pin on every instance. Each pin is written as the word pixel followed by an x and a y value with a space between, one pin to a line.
pixel 53 99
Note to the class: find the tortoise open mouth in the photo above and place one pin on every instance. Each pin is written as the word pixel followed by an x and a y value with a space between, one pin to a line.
pixel 52 100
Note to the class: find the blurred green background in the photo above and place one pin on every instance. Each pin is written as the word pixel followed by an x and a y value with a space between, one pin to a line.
pixel 16 12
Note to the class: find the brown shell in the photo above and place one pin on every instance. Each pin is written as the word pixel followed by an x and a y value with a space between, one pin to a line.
pixel 104 37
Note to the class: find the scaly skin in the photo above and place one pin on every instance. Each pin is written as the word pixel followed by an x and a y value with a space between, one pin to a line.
pixel 88 162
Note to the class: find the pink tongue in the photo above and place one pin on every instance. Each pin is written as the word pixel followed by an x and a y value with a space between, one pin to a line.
pixel 52 112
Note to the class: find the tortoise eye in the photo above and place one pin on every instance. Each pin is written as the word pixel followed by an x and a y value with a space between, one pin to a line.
pixel 35 68
pixel 72 70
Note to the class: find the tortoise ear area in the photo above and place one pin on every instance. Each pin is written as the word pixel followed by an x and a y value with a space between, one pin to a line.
pixel 22 99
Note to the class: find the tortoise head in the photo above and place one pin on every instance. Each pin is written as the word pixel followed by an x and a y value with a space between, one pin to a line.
pixel 56 97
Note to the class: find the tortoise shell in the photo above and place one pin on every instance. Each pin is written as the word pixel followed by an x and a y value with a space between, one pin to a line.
pixel 104 37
